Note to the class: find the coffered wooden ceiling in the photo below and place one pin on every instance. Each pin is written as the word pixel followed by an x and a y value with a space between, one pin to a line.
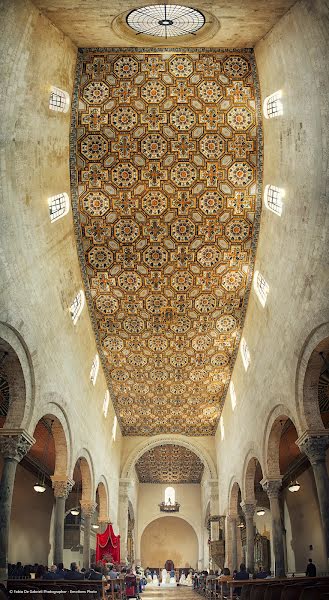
pixel 90 22
pixel 169 464
pixel 166 164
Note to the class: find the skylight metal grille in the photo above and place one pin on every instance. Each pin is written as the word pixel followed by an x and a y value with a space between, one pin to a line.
pixel 165 20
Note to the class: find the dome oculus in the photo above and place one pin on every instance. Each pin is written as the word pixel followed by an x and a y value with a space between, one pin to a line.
pixel 165 20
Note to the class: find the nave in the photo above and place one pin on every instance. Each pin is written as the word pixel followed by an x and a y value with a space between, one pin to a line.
pixel 178 593
pixel 164 318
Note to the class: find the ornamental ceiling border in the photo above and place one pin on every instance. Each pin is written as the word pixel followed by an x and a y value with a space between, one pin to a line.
pixel 82 52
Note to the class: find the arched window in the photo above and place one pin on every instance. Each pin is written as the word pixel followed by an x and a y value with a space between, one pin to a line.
pixel 58 206
pixel 106 403
pixel 273 199
pixel 261 287
pixel 59 100
pixel 114 428
pixel 94 369
pixel 272 106
pixel 233 395
pixel 170 496
pixel 222 430
pixel 245 354
pixel 77 306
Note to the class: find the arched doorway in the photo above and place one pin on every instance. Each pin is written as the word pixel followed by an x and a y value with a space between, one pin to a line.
pixel 169 538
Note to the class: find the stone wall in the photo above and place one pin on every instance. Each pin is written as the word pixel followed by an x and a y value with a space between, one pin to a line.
pixel 292 253
pixel 40 273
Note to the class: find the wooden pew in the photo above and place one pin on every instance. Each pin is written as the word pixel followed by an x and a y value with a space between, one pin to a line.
pixel 303 581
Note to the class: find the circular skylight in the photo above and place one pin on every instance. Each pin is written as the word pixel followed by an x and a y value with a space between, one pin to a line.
pixel 165 20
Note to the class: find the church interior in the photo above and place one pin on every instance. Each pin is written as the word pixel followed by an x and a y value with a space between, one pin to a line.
pixel 164 312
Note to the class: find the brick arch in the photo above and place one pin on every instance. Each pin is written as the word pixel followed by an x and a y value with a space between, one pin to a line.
pixel 87 475
pixel 307 378
pixel 271 442
pixel 233 498
pixel 103 500
pixel 61 433
pixel 19 372
pixel 60 447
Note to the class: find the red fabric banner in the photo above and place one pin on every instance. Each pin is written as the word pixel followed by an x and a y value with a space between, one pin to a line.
pixel 108 543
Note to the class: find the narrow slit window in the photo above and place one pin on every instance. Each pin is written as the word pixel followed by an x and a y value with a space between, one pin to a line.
pixel 232 395
pixel 59 100
pixel 106 403
pixel 77 306
pixel 261 287
pixel 58 206
pixel 170 496
pixel 94 369
pixel 273 105
pixel 245 354
pixel 273 199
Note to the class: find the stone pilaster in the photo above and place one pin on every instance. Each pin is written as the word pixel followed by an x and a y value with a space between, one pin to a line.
pixel 272 487
pixel 314 445
pixel 62 488
pixel 87 510
pixel 124 488
pixel 14 444
pixel 233 545
pixel 249 511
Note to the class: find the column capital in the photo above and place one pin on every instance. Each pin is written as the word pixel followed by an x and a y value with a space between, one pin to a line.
pixel 314 444
pixel 272 487
pixel 125 486
pixel 61 487
pixel 88 508
pixel 248 509
pixel 15 443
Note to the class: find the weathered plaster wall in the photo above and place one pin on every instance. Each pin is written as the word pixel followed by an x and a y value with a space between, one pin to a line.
pixel 169 538
pixel 292 253
pixel 149 497
pixel 39 266
pixel 303 525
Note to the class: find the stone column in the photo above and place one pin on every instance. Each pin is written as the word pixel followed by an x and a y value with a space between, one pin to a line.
pixel 14 444
pixel 124 487
pixel 249 511
pixel 315 446
pixel 62 488
pixel 234 545
pixel 272 488
pixel 214 528
pixel 87 510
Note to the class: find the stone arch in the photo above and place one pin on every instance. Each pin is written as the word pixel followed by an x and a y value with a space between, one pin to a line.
pixel 87 475
pixel 103 500
pixel 234 490
pixel 307 378
pixel 18 369
pixel 181 516
pixel 188 525
pixel 271 440
pixel 248 476
pixel 62 436
pixel 179 440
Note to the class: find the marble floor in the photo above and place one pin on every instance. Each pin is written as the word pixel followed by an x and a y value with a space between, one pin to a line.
pixel 178 593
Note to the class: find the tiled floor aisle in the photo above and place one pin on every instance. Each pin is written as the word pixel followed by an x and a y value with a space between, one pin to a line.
pixel 178 593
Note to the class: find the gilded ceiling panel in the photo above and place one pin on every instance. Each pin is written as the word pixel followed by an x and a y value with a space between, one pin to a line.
pixel 166 164
pixel 169 464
